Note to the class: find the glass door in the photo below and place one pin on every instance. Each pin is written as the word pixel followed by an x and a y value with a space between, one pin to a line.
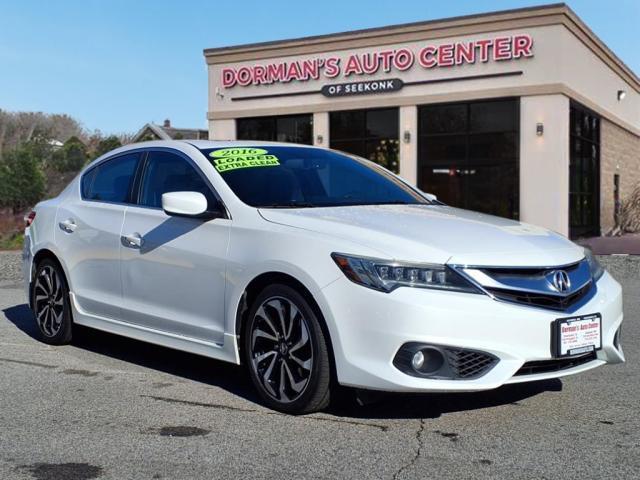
pixel 468 155
pixel 584 173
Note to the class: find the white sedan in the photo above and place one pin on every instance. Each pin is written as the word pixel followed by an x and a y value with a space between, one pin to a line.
pixel 313 268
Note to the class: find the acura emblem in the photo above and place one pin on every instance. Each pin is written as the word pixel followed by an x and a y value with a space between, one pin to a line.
pixel 560 280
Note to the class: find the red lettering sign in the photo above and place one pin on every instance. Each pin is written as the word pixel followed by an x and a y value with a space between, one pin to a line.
pixel 469 52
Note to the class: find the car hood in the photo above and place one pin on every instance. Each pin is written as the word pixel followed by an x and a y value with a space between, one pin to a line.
pixel 438 234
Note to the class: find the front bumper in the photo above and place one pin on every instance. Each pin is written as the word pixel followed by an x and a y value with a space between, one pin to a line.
pixel 368 328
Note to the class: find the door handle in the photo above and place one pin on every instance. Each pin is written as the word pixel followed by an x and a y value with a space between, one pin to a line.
pixel 68 225
pixel 132 240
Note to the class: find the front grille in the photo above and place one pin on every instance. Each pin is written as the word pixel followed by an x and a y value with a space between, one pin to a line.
pixel 468 364
pixel 555 365
pixel 534 286
pixel 553 302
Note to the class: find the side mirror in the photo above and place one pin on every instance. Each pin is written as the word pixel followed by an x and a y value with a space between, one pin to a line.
pixel 185 204
pixel 432 198
pixel 429 196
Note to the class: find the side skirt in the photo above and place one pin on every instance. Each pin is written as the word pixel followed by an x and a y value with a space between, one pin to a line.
pixel 227 351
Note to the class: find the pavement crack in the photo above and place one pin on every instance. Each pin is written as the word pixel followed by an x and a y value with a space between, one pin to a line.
pixel 82 373
pixel 417 454
pixel 23 362
pixel 191 403
pixel 199 404
pixel 383 428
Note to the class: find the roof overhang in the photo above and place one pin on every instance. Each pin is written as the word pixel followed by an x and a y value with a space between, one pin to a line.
pixel 554 14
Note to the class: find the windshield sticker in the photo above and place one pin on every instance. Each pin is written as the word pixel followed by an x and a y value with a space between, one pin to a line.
pixel 227 159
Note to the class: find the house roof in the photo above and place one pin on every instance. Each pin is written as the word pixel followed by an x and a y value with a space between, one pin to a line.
pixel 170 133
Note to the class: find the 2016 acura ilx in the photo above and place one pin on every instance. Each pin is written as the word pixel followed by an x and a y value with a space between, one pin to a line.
pixel 314 268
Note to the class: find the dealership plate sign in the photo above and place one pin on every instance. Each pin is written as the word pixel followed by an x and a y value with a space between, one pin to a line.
pixel 576 335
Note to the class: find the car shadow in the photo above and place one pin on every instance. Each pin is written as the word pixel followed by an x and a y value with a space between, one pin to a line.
pixel 181 364
pixel 349 403
pixel 167 231
pixel 383 405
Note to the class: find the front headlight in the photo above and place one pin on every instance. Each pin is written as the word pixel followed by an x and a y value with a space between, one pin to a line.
pixel 594 265
pixel 385 275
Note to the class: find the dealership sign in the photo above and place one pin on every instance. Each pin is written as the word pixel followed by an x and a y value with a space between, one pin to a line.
pixel 362 88
pixel 444 55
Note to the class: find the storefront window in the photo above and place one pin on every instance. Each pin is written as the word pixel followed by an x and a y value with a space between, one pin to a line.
pixel 371 134
pixel 285 128
pixel 468 155
pixel 584 172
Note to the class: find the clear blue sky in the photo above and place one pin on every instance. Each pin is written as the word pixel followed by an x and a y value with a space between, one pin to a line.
pixel 115 65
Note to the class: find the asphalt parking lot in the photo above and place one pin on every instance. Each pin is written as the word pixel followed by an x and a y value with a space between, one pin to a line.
pixel 111 408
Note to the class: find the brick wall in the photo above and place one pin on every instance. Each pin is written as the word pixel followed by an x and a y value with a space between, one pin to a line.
pixel 619 153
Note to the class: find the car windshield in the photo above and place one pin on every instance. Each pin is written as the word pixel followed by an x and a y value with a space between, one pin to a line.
pixel 305 177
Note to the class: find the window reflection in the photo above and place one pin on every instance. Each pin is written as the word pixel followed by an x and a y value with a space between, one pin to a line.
pixel 468 155
pixel 285 128
pixel 371 134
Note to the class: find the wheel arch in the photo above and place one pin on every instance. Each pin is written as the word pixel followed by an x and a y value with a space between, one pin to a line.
pixel 259 283
pixel 39 256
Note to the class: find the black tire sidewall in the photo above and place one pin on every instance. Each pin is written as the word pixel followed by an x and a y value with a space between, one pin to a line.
pixel 64 334
pixel 316 390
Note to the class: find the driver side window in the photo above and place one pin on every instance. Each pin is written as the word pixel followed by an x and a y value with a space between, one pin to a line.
pixel 168 172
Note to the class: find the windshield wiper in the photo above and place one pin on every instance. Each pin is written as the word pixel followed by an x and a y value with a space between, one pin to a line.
pixel 289 205
pixel 392 202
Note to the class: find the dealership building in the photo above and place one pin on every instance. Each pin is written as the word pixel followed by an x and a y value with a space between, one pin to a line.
pixel 523 113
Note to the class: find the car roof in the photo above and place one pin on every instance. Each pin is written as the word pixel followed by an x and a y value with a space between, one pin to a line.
pixel 204 144
pixel 199 144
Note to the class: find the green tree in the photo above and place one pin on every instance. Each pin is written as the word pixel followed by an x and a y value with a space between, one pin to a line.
pixel 71 157
pixel 22 182
pixel 106 145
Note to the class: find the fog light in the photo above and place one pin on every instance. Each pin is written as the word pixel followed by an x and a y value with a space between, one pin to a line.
pixel 428 360
pixel 418 360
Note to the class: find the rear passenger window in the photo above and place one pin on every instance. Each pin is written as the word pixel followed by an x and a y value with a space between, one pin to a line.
pixel 168 172
pixel 110 181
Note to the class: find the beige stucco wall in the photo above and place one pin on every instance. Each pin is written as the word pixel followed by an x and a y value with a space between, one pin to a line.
pixel 544 162
pixel 222 129
pixel 408 122
pixel 620 153
pixel 321 129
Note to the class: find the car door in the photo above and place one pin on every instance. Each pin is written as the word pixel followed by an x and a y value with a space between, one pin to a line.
pixel 88 225
pixel 173 268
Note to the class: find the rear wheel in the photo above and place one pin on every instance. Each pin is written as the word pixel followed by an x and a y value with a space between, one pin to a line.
pixel 50 301
pixel 286 352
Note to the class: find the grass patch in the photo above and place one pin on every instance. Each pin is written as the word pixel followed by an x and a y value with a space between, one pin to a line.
pixel 12 241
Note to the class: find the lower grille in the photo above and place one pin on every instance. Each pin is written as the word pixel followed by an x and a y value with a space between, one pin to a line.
pixel 469 364
pixel 555 365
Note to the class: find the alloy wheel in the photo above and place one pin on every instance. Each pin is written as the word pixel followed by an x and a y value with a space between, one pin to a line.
pixel 281 349
pixel 49 301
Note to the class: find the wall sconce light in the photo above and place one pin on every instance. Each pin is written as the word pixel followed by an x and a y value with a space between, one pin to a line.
pixel 406 136
pixel 539 129
pixel 621 95
pixel 319 138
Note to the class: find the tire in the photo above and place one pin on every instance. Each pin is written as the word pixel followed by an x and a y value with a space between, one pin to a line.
pixel 50 302
pixel 289 363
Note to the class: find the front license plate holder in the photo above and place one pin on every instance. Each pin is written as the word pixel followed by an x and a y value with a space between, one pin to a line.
pixel 576 335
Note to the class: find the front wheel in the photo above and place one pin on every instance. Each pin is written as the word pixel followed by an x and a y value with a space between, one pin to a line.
pixel 50 301
pixel 286 353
